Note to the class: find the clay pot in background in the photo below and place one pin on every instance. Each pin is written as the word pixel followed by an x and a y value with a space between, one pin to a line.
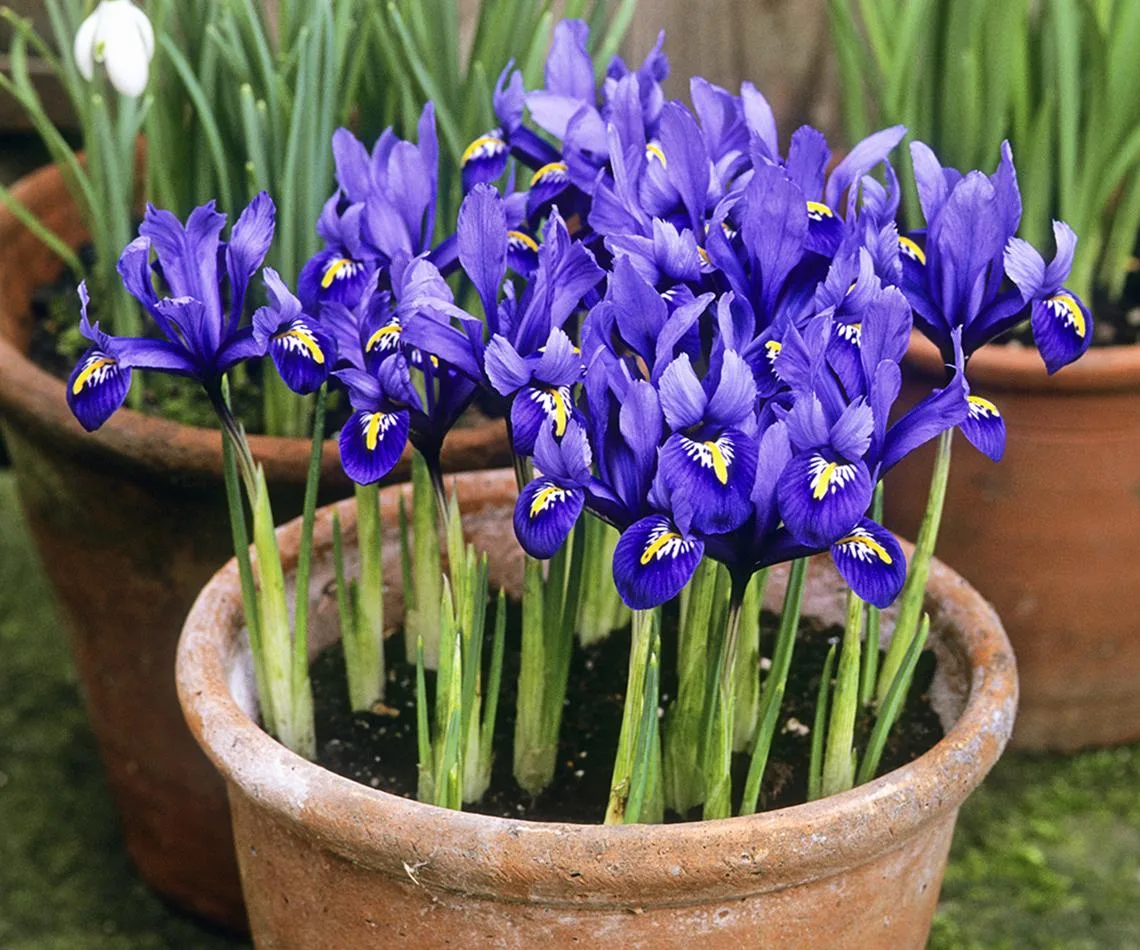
pixel 327 862
pixel 1051 535
pixel 130 522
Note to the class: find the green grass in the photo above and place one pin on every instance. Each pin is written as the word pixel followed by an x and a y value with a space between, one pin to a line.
pixel 1047 853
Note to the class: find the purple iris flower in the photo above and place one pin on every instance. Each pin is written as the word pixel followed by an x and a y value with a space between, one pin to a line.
pixel 384 208
pixel 202 336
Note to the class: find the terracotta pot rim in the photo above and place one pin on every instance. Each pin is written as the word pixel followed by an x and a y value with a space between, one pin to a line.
pixel 822 836
pixel 129 438
pixel 1007 368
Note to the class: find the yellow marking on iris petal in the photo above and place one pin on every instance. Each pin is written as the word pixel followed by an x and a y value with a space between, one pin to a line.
pixel 551 169
pixel 911 249
pixel 522 238
pixel 773 348
pixel 655 151
pixel 870 543
pixel 719 463
pixel 560 415
pixel 305 338
pixel 478 144
pixel 658 543
pixel 88 371
pixel 984 404
pixel 1073 310
pixel 823 480
pixel 372 433
pixel 332 270
pixel 703 255
pixel 818 207
pixel 543 497
pixel 391 329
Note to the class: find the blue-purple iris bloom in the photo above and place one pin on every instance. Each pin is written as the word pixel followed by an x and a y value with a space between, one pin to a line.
pixel 200 321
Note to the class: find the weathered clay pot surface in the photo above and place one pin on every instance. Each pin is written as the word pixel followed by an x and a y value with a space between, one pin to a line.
pixel 130 522
pixel 327 862
pixel 1051 534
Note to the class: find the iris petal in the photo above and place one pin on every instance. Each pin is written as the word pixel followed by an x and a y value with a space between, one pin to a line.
pixel 545 186
pixel 717 473
pixel 484 160
pixel 303 352
pixel 371 444
pixel 653 561
pixel 825 229
pixel 1062 329
pixel 822 497
pixel 872 562
pixel 535 406
pixel 984 428
pixel 544 515
pixel 97 387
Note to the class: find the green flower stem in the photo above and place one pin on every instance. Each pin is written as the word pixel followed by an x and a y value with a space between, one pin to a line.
pixel 720 730
pixel 914 591
pixel 632 785
pixel 533 765
pixel 427 569
pixel 683 779
pixel 364 643
pixel 819 729
pixel 747 691
pixel 772 692
pixel 839 753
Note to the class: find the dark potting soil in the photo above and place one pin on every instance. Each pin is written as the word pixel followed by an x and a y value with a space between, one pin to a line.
pixel 379 748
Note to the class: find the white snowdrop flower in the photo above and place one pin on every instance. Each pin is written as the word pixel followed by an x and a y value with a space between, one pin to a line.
pixel 118 35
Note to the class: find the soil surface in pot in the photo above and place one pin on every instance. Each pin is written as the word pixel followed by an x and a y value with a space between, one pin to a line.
pixel 379 748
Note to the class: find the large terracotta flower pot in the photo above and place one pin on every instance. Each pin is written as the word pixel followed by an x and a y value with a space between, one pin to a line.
pixel 130 522
pixel 1051 535
pixel 327 862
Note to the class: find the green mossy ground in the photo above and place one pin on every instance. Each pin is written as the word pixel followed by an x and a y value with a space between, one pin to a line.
pixel 1047 853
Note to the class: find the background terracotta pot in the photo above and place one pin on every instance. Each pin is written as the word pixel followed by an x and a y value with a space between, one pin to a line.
pixel 328 862
pixel 130 523
pixel 1051 535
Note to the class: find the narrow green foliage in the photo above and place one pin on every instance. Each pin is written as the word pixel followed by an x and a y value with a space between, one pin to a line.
pixel 892 705
pixel 425 786
pixel 600 607
pixel 533 763
pixel 818 729
pixel 772 692
pixel 720 709
pixel 838 761
pixel 639 730
pixel 869 668
pixel 747 691
pixel 914 591
pixel 364 637
pixel 427 568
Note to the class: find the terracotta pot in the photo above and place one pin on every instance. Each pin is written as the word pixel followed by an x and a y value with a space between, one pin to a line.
pixel 1051 535
pixel 327 862
pixel 130 522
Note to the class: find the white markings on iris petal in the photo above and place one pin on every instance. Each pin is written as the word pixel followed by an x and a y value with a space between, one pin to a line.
pixel 860 545
pixel 654 151
pixel 555 171
pixel 663 542
pixel 817 211
pixel 716 455
pixel 981 408
pixel 1068 311
pixel 546 498
pixel 517 240
pixel 375 424
pixel 96 371
pixel 298 338
pixel 851 332
pixel 386 338
pixel 828 477
pixel 910 248
pixel 555 403
pixel 340 269
pixel 490 145
pixel 772 350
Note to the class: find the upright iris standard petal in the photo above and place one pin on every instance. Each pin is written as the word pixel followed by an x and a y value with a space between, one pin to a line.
pixel 821 497
pixel 97 387
pixel 371 444
pixel 544 515
pixel 872 562
pixel 653 561
pixel 984 427
pixel 303 353
pixel 717 473
pixel 1062 329
pixel 535 406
